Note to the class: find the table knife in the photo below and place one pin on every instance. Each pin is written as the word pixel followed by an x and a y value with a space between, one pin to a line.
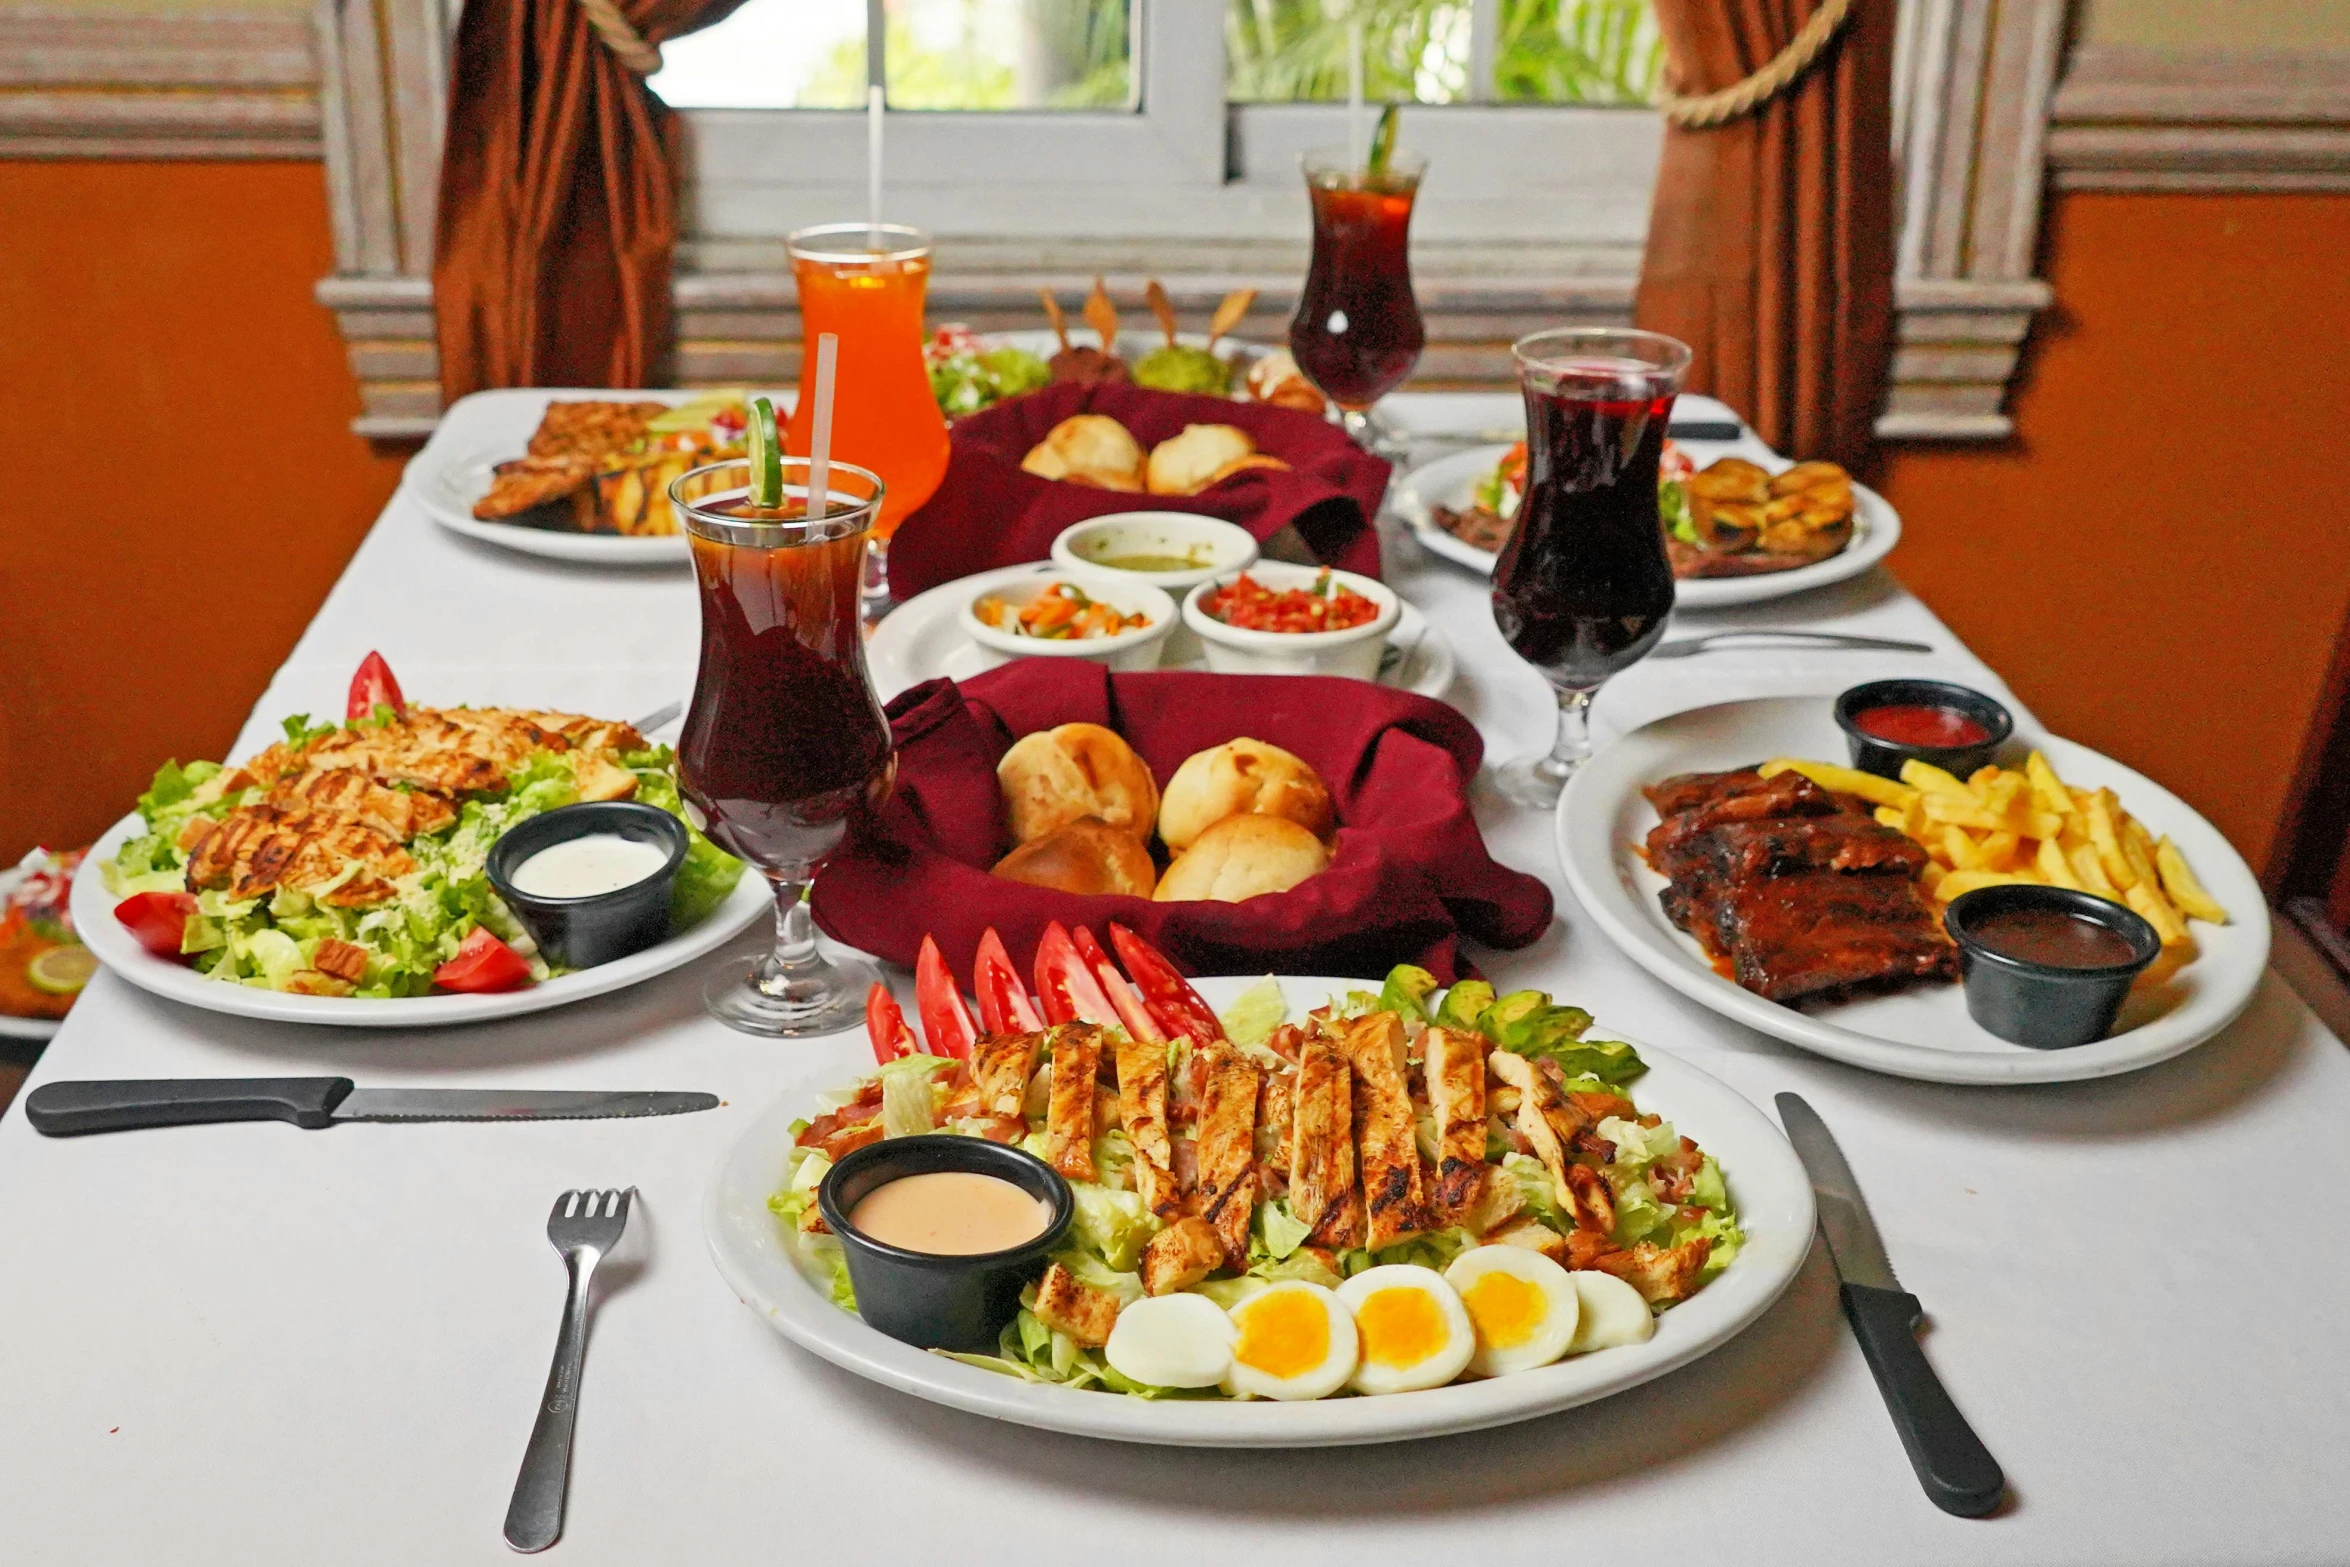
pixel 68 1109
pixel 1957 1470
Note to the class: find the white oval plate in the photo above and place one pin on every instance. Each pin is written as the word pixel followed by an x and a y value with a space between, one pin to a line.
pixel 1925 1032
pixel 1450 481
pixel 93 919
pixel 487 428
pixel 920 640
pixel 1774 1207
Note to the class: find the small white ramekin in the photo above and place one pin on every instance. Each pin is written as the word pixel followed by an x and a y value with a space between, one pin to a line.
pixel 1122 591
pixel 1223 547
pixel 1354 652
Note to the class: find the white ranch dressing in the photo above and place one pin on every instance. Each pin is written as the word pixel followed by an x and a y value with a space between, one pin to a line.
pixel 588 866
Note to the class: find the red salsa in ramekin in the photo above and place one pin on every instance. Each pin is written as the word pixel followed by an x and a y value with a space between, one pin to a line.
pixel 1249 605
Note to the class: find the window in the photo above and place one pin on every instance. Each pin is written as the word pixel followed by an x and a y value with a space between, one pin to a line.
pixel 1166 120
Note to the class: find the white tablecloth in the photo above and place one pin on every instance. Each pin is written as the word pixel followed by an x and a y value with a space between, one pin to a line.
pixel 254 1344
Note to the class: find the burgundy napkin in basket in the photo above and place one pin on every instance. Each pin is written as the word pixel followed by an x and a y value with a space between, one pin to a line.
pixel 988 513
pixel 1409 876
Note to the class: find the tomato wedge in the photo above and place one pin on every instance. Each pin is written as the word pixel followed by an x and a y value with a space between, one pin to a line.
pixel 886 1026
pixel 1166 994
pixel 1065 986
pixel 159 920
pixel 946 1022
pixel 1005 1007
pixel 373 687
pixel 482 963
pixel 1131 1012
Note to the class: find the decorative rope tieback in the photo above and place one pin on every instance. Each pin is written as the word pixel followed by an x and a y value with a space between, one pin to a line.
pixel 628 45
pixel 1702 111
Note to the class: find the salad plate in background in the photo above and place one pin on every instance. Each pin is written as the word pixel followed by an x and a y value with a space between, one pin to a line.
pixel 1468 478
pixel 761 1257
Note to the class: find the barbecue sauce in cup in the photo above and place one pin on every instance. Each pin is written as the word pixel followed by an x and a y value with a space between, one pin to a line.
pixel 2053 938
pixel 1913 724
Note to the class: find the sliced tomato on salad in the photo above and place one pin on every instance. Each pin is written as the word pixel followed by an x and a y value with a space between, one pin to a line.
pixel 1173 1004
pixel 885 1025
pixel 373 687
pixel 946 1022
pixel 1065 986
pixel 1005 1007
pixel 483 963
pixel 1131 1012
pixel 159 920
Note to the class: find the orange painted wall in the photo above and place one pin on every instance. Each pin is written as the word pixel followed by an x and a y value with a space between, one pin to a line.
pixel 181 485
pixel 2156 563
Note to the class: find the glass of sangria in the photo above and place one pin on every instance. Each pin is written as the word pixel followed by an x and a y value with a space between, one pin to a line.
pixel 785 740
pixel 865 283
pixel 1357 332
pixel 1582 588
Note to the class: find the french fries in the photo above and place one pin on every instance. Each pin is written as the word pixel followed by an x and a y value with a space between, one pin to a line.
pixel 2007 825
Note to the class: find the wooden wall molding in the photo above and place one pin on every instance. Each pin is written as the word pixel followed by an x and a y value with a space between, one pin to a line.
pixel 167 84
pixel 2145 120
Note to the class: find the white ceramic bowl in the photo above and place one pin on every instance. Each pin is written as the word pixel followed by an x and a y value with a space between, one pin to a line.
pixel 1221 548
pixel 1122 591
pixel 1354 652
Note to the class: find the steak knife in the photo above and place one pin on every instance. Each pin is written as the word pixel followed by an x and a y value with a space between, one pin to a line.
pixel 1957 1470
pixel 69 1109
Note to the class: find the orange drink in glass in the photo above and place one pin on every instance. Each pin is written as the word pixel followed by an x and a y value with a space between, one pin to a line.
pixel 865 283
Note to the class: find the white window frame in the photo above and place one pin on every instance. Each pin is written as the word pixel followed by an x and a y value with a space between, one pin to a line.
pixel 1182 163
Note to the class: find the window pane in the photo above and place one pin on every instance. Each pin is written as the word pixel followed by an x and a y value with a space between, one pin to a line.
pixel 771 54
pixel 1009 54
pixel 1294 51
pixel 1575 51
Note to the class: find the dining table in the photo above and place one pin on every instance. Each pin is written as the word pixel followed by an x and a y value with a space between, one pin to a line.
pixel 250 1343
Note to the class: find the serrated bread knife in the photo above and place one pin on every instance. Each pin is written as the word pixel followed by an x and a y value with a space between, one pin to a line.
pixel 1957 1470
pixel 69 1109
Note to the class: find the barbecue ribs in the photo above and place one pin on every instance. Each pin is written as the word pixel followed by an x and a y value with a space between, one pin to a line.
pixel 1801 893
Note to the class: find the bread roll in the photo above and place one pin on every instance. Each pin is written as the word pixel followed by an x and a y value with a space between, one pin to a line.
pixel 1242 777
pixel 1088 449
pixel 1054 776
pixel 1187 463
pixel 1088 856
pixel 1243 857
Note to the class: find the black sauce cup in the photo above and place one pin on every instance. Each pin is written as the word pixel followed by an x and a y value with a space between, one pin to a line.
pixel 2043 1005
pixel 927 1299
pixel 1884 757
pixel 583 932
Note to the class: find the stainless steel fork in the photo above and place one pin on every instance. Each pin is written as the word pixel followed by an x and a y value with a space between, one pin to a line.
pixel 584 1227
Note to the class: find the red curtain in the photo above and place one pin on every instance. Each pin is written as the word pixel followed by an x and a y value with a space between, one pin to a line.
pixel 558 203
pixel 1770 242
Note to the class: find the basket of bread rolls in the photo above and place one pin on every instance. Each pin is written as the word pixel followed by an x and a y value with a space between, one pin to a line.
pixel 1299 824
pixel 1240 820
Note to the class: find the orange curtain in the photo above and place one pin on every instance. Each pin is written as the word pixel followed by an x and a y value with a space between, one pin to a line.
pixel 558 201
pixel 1770 242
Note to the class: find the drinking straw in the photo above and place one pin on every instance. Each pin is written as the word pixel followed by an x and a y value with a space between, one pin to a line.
pixel 873 103
pixel 820 435
pixel 1354 93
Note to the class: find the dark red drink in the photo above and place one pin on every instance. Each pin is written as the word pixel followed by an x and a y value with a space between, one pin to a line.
pixel 1583 587
pixel 784 738
pixel 1357 331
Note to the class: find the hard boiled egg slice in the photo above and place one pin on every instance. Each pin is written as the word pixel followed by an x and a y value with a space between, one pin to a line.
pixel 1613 1312
pixel 1295 1341
pixel 1523 1305
pixel 1413 1329
pixel 1172 1341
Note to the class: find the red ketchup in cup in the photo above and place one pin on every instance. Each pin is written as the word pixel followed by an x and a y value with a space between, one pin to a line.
pixel 1914 724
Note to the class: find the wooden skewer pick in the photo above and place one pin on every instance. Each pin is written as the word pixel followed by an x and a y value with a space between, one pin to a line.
pixel 1052 313
pixel 1155 296
pixel 1229 313
pixel 1102 316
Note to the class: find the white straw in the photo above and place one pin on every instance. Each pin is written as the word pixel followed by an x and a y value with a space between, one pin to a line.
pixel 873 103
pixel 1357 145
pixel 820 435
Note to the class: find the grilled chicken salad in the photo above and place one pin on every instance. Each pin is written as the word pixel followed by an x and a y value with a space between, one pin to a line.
pixel 1477 1153
pixel 350 859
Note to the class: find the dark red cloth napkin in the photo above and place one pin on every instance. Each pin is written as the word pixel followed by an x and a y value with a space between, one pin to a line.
pixel 1409 875
pixel 988 513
